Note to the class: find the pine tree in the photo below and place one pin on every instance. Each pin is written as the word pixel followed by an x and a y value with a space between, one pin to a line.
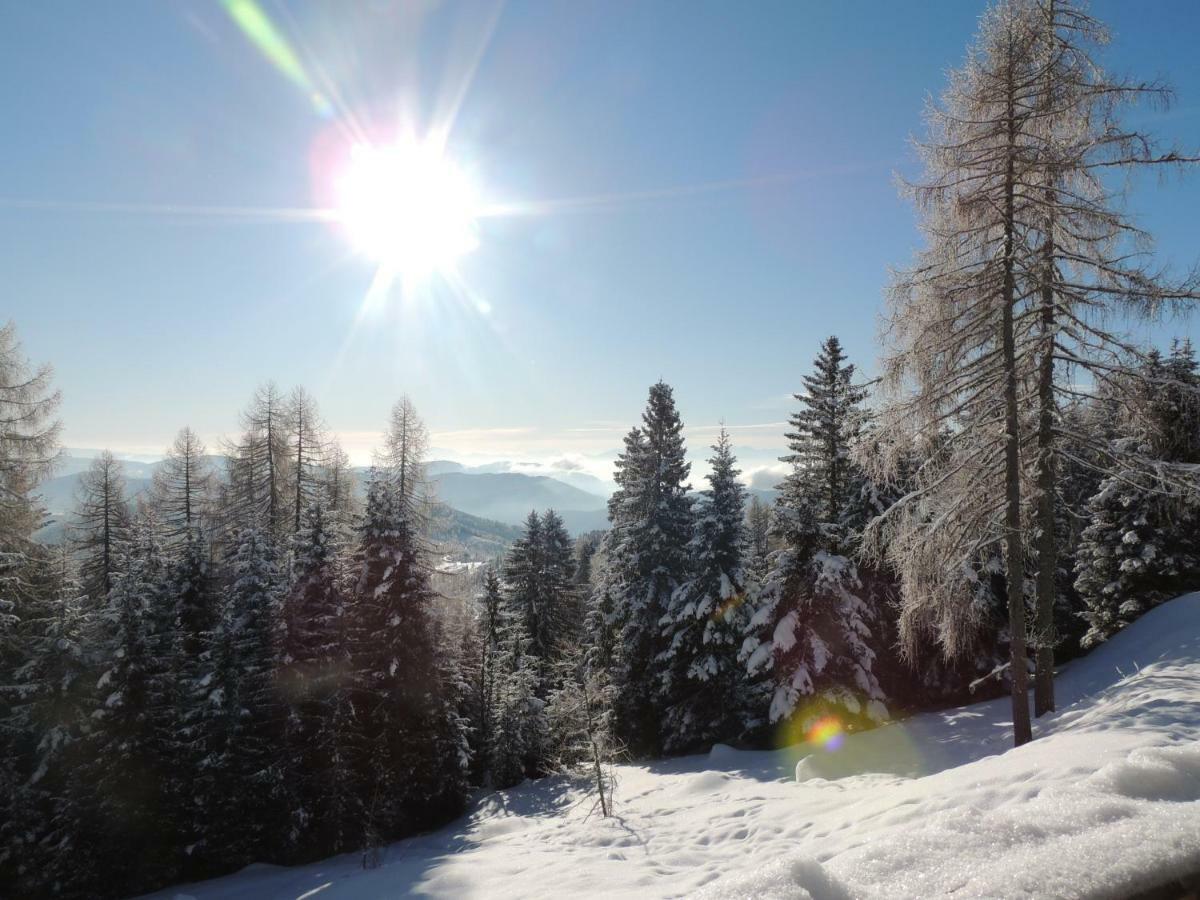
pixel 703 685
pixel 646 552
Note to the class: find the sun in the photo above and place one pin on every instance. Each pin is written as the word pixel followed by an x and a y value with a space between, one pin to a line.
pixel 407 207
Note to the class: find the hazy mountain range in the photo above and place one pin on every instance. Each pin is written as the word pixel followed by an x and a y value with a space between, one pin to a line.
pixel 485 503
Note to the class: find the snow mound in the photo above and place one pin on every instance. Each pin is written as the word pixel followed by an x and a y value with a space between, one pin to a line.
pixel 1105 803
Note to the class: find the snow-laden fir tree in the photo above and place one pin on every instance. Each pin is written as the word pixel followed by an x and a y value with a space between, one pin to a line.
pixel 240 719
pixel 312 680
pixel 540 589
pixel 813 626
pixel 132 742
pixel 520 741
pixel 704 684
pixel 646 560
pixel 758 537
pixel 491 633
pixel 404 721
pixel 1142 541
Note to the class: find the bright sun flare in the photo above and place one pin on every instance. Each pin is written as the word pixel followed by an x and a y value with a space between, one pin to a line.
pixel 407 207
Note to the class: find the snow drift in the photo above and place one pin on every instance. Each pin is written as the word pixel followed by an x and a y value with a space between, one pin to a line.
pixel 1104 803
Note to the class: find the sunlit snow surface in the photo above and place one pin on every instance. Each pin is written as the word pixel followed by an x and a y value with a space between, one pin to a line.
pixel 1105 802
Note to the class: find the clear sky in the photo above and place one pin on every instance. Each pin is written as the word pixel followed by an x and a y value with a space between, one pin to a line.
pixel 705 192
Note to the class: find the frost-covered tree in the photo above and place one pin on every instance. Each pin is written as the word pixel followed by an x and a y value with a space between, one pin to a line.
pixel 101 526
pixel 1004 313
pixel 519 731
pixel 403 458
pixel 259 467
pixel 704 696
pixel 579 718
pixel 307 448
pixel 181 488
pixel 646 560
pixel 28 450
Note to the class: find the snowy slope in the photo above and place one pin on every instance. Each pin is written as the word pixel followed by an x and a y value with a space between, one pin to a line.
pixel 1106 802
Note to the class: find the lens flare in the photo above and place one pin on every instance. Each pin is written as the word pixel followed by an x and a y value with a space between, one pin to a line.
pixel 258 28
pixel 827 733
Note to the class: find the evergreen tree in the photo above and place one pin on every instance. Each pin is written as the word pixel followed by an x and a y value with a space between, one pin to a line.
pixel 758 526
pixel 646 552
pixel 131 744
pixel 491 630
pixel 405 722
pixel 538 573
pixel 823 431
pixel 312 678
pixel 1142 543
pixel 812 629
pixel 240 725
pixel 703 683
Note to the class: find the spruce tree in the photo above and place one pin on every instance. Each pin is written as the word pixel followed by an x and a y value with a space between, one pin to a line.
pixel 405 722
pixel 646 551
pixel 311 678
pixel 703 682
pixel 813 626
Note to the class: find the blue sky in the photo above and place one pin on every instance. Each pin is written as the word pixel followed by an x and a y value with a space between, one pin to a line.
pixel 746 153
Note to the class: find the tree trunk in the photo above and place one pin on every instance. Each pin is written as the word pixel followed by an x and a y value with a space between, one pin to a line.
pixel 1014 552
pixel 1047 544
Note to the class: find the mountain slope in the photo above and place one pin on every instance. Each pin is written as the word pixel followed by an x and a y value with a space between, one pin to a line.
pixel 1105 803
pixel 509 496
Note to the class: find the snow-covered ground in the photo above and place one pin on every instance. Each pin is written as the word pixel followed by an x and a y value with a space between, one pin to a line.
pixel 1104 803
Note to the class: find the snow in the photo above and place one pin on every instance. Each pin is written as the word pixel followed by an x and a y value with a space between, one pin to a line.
pixel 1105 802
